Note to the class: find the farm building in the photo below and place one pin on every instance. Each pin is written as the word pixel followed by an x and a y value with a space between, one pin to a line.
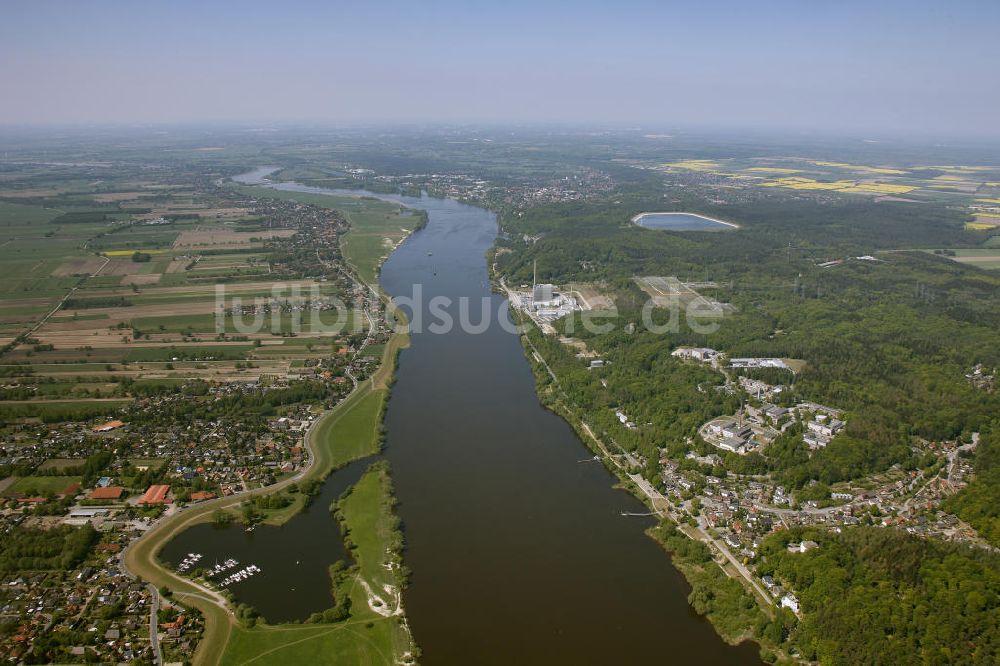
pixel 107 493
pixel 155 495
pixel 109 426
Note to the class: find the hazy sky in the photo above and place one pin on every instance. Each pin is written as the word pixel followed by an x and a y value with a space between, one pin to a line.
pixel 928 67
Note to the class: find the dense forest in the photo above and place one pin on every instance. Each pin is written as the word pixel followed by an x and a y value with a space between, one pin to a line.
pixel 881 596
pixel 59 548
pixel 888 339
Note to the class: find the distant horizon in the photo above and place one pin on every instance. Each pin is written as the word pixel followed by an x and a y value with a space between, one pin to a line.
pixel 900 68
pixel 669 132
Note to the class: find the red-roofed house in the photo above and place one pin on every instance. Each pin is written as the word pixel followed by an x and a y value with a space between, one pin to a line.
pixel 202 495
pixel 109 493
pixel 32 500
pixel 155 495
pixel 110 425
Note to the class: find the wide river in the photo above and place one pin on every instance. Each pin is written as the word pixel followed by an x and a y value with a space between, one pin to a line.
pixel 519 551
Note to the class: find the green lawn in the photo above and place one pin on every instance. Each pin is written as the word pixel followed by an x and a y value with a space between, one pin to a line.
pixel 365 252
pixel 348 432
pixel 349 642
pixel 351 433
pixel 375 351
pixel 41 485
pixel 61 463
pixel 368 513
pixel 366 637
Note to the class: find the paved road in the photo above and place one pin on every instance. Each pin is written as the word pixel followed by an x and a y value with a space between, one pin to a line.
pixel 703 530
pixel 154 638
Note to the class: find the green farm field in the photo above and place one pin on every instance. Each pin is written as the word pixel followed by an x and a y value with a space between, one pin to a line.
pixel 40 485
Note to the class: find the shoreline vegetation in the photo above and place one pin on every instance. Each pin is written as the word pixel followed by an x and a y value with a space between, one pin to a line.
pixel 717 593
pixel 221 623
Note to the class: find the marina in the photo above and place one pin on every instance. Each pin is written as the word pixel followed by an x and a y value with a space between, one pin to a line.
pixel 235 577
pixel 289 579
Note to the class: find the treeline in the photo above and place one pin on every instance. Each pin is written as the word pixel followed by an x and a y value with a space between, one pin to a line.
pixel 873 595
pixel 669 399
pixel 73 303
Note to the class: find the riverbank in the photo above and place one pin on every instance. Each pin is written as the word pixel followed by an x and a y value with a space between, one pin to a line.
pixel 720 591
pixel 141 557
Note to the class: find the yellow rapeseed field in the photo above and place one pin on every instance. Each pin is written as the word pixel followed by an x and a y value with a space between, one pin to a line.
pixel 846 186
pixel 693 165
pixel 859 167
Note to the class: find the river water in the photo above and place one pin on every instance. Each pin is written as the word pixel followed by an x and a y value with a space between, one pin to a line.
pixel 518 550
